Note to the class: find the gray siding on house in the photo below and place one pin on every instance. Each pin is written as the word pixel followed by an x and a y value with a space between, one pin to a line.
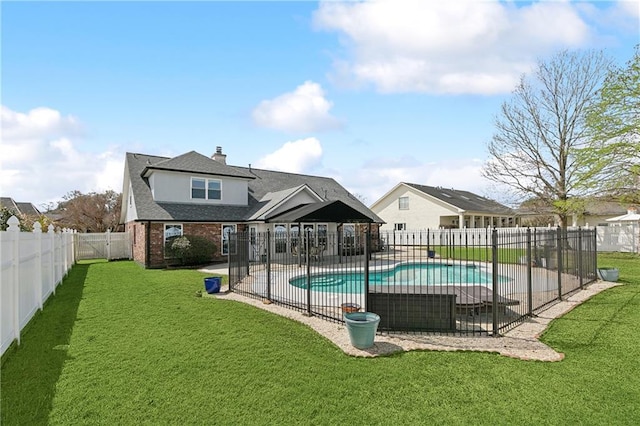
pixel 169 186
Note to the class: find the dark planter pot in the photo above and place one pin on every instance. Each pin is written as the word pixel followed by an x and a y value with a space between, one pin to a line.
pixel 348 308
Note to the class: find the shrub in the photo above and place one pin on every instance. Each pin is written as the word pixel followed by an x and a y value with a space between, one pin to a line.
pixel 190 249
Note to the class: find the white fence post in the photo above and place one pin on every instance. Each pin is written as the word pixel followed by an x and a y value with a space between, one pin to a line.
pixel 52 264
pixel 37 230
pixel 63 246
pixel 14 232
pixel 108 235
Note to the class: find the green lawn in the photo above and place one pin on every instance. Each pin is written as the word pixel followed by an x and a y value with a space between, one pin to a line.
pixel 121 345
pixel 480 254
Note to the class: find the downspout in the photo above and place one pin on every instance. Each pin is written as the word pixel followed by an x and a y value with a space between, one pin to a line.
pixel 147 243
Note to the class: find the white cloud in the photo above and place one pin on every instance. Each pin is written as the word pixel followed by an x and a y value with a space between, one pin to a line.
pixel 300 156
pixel 304 110
pixel 630 8
pixel 41 162
pixel 36 123
pixel 447 46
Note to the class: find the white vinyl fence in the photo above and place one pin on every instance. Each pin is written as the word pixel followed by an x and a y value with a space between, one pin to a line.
pixel 32 266
pixel 105 245
pixel 624 238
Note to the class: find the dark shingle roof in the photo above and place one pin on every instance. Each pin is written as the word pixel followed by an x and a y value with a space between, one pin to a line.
pixel 197 163
pixel 464 200
pixel 8 203
pixel 20 208
pixel 261 183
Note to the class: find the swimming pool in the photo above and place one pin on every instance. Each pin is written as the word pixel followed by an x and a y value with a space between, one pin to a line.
pixel 405 274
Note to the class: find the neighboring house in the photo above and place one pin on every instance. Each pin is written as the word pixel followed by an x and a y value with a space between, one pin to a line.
pixel 593 212
pixel 621 234
pixel 20 209
pixel 409 206
pixel 192 194
pixel 632 216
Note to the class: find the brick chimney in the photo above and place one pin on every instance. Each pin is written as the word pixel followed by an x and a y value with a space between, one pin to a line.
pixel 219 156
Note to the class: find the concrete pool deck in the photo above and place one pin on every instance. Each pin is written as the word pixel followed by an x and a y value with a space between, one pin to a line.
pixel 521 342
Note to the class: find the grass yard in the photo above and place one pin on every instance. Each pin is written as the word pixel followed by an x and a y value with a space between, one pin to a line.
pixel 480 254
pixel 122 345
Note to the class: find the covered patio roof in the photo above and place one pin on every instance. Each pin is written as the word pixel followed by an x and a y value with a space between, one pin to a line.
pixel 326 211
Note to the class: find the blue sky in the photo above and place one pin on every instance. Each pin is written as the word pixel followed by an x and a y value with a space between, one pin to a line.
pixel 371 94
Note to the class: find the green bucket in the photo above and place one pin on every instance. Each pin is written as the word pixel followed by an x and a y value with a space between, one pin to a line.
pixel 362 327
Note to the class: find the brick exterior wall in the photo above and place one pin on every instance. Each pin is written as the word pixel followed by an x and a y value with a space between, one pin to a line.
pixel 137 230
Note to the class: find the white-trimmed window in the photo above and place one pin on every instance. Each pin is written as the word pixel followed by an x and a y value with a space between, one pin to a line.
pixel 171 232
pixel 349 230
pixel 214 189
pixel 400 227
pixel 280 237
pixel 403 203
pixel 206 189
pixel 322 234
pixel 228 246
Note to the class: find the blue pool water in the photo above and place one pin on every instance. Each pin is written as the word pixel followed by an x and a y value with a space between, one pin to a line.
pixel 406 274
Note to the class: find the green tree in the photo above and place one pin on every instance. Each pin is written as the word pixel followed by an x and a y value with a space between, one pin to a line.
pixel 610 163
pixel 541 128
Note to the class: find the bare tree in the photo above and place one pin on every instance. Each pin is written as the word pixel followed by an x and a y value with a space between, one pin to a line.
pixel 93 212
pixel 539 131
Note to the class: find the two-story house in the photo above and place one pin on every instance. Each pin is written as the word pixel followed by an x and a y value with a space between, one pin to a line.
pixel 409 206
pixel 193 194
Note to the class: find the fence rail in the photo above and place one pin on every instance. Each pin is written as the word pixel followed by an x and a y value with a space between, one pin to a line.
pixel 448 281
pixel 32 265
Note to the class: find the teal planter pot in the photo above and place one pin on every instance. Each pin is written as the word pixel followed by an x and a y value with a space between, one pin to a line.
pixel 609 274
pixel 362 328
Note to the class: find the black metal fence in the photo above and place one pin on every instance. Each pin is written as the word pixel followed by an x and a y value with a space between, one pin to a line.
pixel 468 281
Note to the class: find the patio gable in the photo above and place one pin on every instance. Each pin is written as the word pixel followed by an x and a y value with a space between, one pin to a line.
pixel 327 211
pixel 281 201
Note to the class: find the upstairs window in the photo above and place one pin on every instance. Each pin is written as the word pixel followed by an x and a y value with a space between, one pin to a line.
pixel 403 203
pixel 214 190
pixel 400 227
pixel 206 189
pixel 197 188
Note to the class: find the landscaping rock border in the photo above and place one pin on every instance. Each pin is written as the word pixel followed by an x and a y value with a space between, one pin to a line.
pixel 521 342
